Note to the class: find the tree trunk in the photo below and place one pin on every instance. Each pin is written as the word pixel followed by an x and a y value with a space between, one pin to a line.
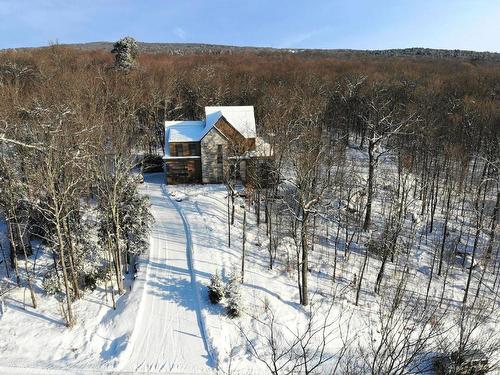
pixel 369 193
pixel 380 274
pixel 74 278
pixel 494 223
pixel 434 200
pixel 232 208
pixel 270 233
pixel 13 254
pixel 5 261
pixel 28 277
pixel 243 240
pixel 118 250
pixel 257 213
pixel 228 223
pixel 305 259
pixel 445 230
pixel 358 291
pixel 431 273
pixel 69 318
pixel 479 222
pixel 110 262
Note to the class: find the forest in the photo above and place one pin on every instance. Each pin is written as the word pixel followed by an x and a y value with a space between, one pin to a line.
pixel 382 157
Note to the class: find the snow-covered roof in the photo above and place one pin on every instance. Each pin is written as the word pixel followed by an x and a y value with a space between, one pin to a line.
pixel 240 117
pixel 184 131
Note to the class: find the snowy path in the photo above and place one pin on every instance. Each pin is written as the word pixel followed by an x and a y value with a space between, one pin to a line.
pixel 169 334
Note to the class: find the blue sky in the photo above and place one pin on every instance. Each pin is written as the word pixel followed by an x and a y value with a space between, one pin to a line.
pixel 357 24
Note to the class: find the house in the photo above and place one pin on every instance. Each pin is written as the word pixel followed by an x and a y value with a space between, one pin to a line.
pixel 205 151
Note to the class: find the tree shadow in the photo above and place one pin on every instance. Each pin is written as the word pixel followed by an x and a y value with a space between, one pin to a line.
pixel 175 290
pixel 115 347
pixel 18 306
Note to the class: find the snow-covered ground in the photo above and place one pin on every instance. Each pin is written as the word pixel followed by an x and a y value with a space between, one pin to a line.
pixel 165 321
pixel 169 335
pixel 264 290
pixel 205 208
pixel 157 326
pixel 38 340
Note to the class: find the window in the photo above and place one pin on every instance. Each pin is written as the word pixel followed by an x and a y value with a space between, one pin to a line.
pixel 179 149
pixel 219 154
pixel 192 149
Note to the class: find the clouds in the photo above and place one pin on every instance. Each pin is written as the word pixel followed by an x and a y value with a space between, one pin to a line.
pixel 305 38
pixel 180 33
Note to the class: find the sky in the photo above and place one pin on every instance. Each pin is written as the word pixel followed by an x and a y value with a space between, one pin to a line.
pixel 354 24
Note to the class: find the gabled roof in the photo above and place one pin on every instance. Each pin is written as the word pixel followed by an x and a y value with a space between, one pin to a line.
pixel 184 131
pixel 240 117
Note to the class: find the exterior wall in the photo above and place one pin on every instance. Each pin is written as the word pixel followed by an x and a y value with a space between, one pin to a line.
pixel 212 172
pixel 186 148
pixel 240 142
pixel 208 169
pixel 183 171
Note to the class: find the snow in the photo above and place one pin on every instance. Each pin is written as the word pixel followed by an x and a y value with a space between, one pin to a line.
pixel 205 210
pixel 168 334
pixel 157 325
pixel 242 118
pixel 186 131
pixel 39 339
pixel 166 322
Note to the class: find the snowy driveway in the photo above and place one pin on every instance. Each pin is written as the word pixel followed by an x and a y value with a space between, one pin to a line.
pixel 168 334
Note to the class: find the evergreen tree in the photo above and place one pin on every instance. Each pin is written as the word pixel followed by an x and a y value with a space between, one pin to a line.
pixel 124 219
pixel 136 219
pixel 233 296
pixel 125 51
pixel 216 288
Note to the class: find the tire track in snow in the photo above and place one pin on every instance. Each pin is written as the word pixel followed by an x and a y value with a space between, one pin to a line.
pixel 170 333
pixel 194 283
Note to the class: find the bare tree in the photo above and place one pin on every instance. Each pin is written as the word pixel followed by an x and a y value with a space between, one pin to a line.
pixel 402 335
pixel 383 119
pixel 305 349
pixel 309 179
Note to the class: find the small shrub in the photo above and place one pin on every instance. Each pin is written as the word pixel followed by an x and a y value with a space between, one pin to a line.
pixel 152 163
pixel 92 279
pixel 50 283
pixel 266 304
pixel 233 296
pixel 215 289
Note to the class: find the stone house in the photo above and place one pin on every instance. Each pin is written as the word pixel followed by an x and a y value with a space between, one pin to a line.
pixel 205 151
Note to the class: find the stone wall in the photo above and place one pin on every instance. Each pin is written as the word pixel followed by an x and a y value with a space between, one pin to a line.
pixel 212 172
